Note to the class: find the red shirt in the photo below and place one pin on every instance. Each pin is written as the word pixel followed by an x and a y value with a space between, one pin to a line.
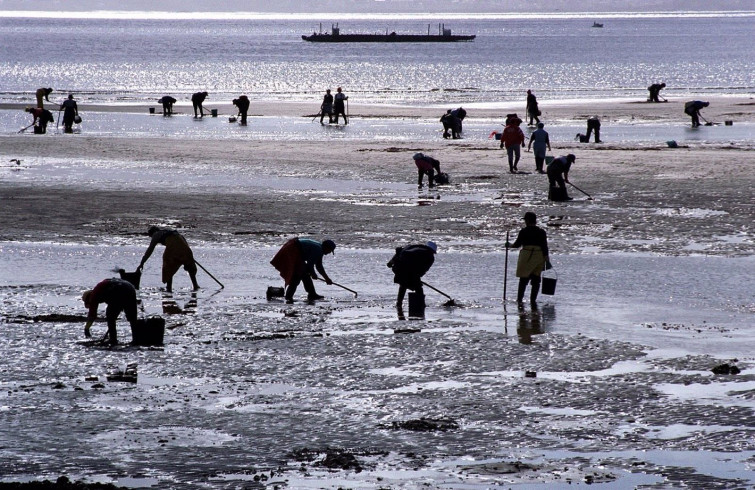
pixel 512 135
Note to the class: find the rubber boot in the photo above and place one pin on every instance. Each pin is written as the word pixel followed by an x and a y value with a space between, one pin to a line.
pixel 534 289
pixel 522 286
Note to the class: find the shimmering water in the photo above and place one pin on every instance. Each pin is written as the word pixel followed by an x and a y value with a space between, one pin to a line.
pixel 122 60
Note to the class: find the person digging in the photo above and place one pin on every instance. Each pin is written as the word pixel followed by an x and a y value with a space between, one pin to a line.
pixel 177 253
pixel 120 296
pixel 409 264
pixel 297 260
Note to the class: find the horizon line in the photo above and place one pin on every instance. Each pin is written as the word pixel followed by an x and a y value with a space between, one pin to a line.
pixel 239 15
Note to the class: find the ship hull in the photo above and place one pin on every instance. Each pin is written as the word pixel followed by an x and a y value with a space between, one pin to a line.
pixel 385 38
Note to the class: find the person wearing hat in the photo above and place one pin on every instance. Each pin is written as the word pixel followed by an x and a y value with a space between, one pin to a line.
pixel 197 100
pixel 339 106
pixel 532 258
pixel 177 253
pixel 513 139
pixel 69 116
pixel 426 165
pixel 120 296
pixel 558 175
pixel 532 110
pixel 43 94
pixel 542 141
pixel 297 261
pixel 409 264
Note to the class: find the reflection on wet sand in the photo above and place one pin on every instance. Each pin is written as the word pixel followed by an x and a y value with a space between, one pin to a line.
pixel 534 322
pixel 171 307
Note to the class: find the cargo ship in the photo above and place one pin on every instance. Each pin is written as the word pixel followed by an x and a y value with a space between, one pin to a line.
pixel 444 36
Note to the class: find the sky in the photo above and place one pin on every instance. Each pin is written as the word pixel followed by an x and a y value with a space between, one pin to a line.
pixel 378 6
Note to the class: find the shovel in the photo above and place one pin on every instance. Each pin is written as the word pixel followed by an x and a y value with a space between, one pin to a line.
pixel 340 286
pixel 589 197
pixel 450 302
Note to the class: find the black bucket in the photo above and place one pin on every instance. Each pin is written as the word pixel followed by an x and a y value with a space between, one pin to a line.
pixel 556 193
pixel 273 292
pixel 133 277
pixel 548 284
pixel 214 112
pixel 148 331
pixel 151 110
pixel 416 305
pixel 39 130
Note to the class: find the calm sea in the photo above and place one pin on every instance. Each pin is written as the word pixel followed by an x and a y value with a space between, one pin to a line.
pixel 558 56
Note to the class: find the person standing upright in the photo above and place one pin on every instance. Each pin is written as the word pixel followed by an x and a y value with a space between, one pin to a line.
pixel 532 110
pixel 533 257
pixel 340 105
pixel 69 116
pixel 513 139
pixel 197 100
pixel 542 141
pixel 327 107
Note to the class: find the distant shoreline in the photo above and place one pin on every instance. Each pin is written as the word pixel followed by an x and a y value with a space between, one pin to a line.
pixel 344 16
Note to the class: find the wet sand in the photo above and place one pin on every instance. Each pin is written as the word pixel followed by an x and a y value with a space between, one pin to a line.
pixel 653 293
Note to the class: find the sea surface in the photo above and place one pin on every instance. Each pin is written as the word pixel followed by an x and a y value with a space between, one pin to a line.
pixel 110 58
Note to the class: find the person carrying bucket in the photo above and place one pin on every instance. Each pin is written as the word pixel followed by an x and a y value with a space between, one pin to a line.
pixel 177 253
pixel 197 100
pixel 120 296
pixel 297 260
pixel 533 257
pixel 409 264
pixel 71 110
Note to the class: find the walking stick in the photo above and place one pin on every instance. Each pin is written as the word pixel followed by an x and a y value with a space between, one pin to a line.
pixel 58 121
pixel 319 113
pixel 589 197
pixel 340 286
pixel 505 270
pixel 24 129
pixel 208 273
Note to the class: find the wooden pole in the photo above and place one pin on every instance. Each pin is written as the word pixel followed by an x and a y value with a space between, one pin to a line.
pixel 505 270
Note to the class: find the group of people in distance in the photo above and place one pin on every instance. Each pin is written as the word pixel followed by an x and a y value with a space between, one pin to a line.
pixel 42 117
pixel 333 107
